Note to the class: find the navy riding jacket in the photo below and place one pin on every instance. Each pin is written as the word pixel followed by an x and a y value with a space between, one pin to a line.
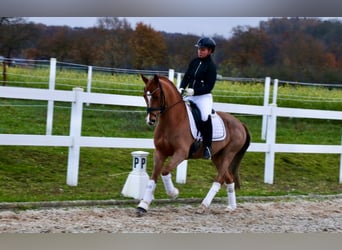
pixel 200 75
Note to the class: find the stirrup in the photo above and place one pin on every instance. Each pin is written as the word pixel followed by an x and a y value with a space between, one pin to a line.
pixel 207 153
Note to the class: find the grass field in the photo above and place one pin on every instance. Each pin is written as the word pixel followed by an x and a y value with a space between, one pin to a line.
pixel 39 173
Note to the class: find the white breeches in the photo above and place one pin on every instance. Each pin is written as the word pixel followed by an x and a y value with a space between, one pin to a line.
pixel 204 103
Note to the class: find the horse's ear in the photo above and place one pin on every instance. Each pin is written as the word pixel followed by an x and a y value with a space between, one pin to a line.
pixel 156 78
pixel 144 78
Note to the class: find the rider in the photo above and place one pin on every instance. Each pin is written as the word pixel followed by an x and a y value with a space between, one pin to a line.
pixel 200 78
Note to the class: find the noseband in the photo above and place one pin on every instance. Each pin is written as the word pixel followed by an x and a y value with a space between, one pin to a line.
pixel 149 95
pixel 162 108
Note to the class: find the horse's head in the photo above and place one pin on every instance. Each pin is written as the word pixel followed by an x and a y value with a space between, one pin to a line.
pixel 154 98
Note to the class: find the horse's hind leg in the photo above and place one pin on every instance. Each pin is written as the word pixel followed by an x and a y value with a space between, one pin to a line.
pixel 230 187
pixel 215 187
pixel 232 174
pixel 221 162
pixel 228 179
pixel 213 191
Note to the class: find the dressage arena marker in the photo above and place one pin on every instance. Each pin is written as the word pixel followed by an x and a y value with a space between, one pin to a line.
pixel 138 178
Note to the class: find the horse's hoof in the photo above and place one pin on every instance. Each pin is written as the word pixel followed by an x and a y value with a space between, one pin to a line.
pixel 141 211
pixel 175 194
pixel 230 208
pixel 201 209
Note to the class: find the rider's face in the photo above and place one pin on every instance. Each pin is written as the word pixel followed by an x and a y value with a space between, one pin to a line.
pixel 203 52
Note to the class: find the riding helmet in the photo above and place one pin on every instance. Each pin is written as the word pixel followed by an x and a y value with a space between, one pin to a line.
pixel 206 42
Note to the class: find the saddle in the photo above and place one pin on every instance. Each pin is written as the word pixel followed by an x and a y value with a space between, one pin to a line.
pixel 194 114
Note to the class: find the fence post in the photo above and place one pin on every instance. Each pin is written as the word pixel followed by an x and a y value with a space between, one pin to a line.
pixel 52 83
pixel 179 79
pixel 341 169
pixel 90 75
pixel 75 134
pixel 270 134
pixel 181 172
pixel 275 91
pixel 270 141
pixel 266 102
pixel 171 75
pixel 341 162
pixel 4 73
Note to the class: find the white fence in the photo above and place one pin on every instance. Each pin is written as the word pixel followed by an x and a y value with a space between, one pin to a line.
pixel 75 141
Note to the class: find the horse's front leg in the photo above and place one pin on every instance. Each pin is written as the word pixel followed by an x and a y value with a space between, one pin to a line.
pixel 166 176
pixel 151 186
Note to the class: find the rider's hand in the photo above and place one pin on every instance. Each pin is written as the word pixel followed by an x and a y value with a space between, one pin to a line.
pixel 190 92
pixel 181 91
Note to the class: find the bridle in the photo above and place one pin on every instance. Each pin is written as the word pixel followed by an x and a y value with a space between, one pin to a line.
pixel 162 105
pixel 162 108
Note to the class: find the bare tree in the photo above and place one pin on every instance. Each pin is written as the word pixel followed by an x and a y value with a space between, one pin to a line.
pixel 14 34
pixel 115 35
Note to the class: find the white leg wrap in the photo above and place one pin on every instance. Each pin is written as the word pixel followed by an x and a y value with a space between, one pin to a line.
pixel 231 196
pixel 169 187
pixel 148 195
pixel 211 194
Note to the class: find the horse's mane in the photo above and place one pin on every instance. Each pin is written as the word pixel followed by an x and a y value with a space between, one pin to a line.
pixel 167 80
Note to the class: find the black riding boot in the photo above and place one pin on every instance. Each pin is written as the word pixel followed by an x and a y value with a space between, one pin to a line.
pixel 207 131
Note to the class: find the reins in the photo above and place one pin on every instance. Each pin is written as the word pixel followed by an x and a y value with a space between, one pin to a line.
pixel 167 108
pixel 162 107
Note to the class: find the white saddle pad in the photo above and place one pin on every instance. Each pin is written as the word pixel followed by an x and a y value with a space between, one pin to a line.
pixel 219 131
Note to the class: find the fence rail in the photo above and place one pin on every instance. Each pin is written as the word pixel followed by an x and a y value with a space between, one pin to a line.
pixel 75 141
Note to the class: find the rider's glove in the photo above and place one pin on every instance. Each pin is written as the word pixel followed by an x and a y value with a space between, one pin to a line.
pixel 189 92
pixel 181 91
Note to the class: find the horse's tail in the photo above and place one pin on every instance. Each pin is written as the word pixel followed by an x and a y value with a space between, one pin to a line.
pixel 234 166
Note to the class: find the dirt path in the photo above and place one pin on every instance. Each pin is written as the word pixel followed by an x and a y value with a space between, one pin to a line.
pixel 275 216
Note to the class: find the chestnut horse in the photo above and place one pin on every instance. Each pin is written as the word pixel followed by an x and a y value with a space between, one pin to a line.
pixel 166 110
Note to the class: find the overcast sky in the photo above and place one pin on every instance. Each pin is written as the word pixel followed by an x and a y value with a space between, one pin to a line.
pixel 201 26
pixel 207 26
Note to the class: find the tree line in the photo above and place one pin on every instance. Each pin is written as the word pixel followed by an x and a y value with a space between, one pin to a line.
pixel 294 49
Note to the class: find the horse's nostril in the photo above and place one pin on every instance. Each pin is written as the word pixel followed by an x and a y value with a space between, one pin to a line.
pixel 151 122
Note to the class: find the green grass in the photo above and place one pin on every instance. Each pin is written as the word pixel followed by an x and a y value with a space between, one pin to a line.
pixel 39 173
